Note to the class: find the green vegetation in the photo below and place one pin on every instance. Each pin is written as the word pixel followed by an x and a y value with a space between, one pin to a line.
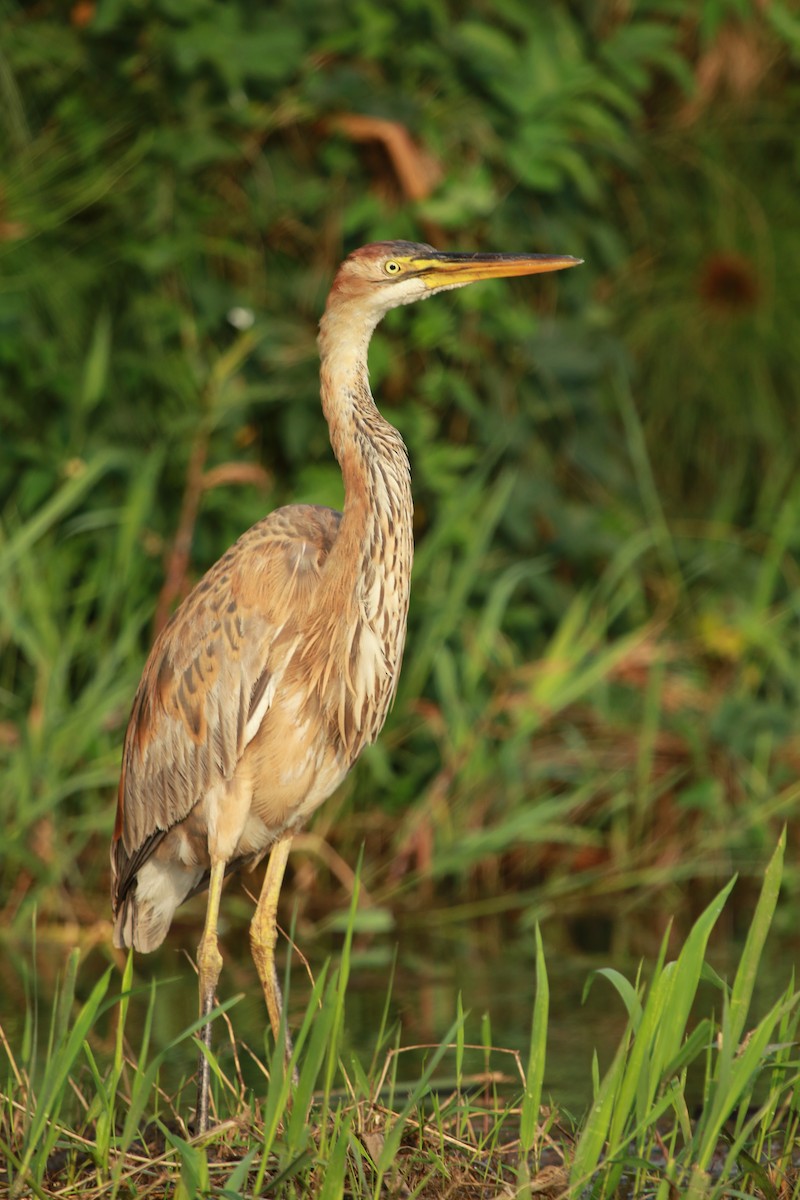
pixel 599 705
pixel 480 1129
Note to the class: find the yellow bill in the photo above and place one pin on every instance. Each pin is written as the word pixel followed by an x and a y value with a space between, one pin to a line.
pixel 443 270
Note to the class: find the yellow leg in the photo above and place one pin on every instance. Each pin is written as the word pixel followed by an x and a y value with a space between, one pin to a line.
pixel 209 965
pixel 264 934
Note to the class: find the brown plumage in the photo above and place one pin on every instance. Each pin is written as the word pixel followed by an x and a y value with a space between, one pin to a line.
pixel 280 666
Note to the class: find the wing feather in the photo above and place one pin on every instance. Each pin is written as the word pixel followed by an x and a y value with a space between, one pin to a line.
pixel 211 677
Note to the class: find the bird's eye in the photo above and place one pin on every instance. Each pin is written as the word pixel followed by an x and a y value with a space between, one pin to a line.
pixel 391 267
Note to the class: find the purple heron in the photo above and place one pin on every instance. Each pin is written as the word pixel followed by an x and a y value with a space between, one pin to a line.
pixel 280 666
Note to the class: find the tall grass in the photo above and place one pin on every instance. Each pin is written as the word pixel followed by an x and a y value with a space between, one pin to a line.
pixel 82 1119
pixel 621 755
pixel 602 662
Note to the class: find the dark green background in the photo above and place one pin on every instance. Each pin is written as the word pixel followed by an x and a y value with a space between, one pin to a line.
pixel 600 695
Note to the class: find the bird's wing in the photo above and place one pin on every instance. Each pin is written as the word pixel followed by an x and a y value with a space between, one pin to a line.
pixel 211 677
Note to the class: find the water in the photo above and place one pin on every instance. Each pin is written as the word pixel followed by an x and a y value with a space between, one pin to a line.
pixel 496 981
pixel 421 970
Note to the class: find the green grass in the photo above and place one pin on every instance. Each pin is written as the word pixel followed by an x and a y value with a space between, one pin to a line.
pixel 620 755
pixel 600 692
pixel 599 705
pixel 77 1120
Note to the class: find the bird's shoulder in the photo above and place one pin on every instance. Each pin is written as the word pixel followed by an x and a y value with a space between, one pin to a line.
pixel 262 578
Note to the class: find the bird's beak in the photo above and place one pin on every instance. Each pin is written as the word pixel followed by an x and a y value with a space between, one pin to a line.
pixel 450 270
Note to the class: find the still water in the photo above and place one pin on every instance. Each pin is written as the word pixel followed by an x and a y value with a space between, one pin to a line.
pixel 422 972
pixel 422 978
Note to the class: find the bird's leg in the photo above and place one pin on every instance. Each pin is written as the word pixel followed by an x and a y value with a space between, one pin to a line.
pixel 209 965
pixel 264 934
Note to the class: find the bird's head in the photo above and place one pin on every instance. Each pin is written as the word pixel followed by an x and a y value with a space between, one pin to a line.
pixel 385 275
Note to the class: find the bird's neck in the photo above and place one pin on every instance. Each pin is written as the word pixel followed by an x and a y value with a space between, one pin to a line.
pixel 378 509
pixel 367 575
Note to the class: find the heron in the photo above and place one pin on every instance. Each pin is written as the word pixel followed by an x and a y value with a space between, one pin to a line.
pixel 279 667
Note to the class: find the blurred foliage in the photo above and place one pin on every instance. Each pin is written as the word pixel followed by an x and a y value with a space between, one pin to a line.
pixel 604 656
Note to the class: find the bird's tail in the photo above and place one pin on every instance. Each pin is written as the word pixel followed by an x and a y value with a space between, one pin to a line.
pixel 145 912
pixel 137 925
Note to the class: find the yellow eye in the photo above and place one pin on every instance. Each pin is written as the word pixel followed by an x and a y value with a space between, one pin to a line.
pixel 392 268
